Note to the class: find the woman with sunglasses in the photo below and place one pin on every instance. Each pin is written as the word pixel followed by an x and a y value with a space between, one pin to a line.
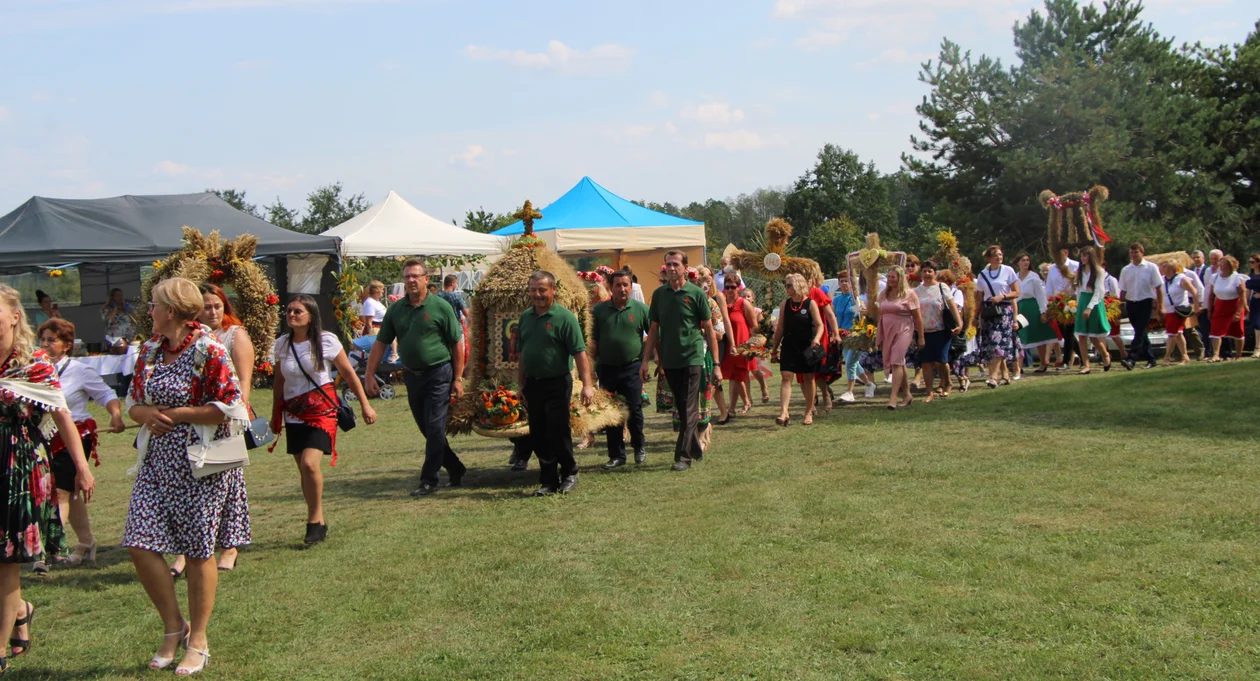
pixel 734 367
pixel 306 407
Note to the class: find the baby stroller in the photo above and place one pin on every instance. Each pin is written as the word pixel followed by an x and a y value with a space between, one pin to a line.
pixel 358 356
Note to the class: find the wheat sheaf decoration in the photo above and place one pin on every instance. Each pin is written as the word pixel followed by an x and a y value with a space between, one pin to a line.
pixel 230 265
pixel 1074 222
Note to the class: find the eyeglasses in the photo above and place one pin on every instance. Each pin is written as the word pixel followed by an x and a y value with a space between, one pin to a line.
pixel 731 288
pixel 295 312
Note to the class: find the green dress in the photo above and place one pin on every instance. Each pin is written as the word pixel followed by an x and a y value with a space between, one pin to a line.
pixel 1097 325
pixel 28 514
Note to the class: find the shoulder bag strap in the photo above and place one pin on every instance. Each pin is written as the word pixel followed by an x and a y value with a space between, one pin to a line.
pixel 983 275
pixel 297 358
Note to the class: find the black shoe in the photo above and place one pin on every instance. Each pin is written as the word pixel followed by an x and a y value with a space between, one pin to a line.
pixel 424 490
pixel 1150 364
pixel 315 533
pixel 640 456
pixel 1127 364
pixel 614 463
pixel 568 484
pixel 545 491
pixel 680 466
pixel 520 464
pixel 456 479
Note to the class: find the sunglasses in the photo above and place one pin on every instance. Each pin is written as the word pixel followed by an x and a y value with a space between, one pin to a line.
pixel 731 288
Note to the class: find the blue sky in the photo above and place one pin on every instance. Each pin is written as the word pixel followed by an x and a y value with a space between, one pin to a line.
pixel 457 105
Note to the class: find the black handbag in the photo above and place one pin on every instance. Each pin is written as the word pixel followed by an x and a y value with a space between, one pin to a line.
pixel 989 310
pixel 947 314
pixel 345 415
pixel 258 434
pixel 1183 311
pixel 814 356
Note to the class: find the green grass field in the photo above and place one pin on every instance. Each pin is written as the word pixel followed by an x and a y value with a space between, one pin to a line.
pixel 1099 527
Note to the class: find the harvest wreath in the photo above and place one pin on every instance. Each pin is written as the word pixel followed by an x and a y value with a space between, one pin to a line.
pixel 230 265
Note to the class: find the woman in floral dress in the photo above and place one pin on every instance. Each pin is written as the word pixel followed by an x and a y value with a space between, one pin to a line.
pixel 31 408
pixel 183 392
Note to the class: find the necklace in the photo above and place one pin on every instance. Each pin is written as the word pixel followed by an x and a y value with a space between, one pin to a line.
pixel 188 339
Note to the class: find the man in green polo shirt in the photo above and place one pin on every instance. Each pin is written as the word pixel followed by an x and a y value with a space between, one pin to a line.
pixel 550 341
pixel 681 326
pixel 617 346
pixel 431 346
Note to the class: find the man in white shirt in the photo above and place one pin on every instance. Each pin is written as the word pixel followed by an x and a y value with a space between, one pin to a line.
pixel 1057 283
pixel 720 277
pixel 1194 342
pixel 1139 289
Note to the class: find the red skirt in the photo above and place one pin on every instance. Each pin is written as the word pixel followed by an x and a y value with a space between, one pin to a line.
pixel 1223 323
pixel 1174 323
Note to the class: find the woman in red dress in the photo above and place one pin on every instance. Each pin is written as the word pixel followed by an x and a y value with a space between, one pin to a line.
pixel 735 367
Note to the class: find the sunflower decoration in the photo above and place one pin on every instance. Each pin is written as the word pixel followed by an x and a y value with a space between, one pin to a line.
pixel 346 303
pixel 229 264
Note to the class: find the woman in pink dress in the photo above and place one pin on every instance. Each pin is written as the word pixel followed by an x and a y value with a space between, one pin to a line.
pixel 899 318
pixel 734 367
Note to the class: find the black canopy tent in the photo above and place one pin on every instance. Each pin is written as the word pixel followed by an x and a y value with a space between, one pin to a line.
pixel 109 240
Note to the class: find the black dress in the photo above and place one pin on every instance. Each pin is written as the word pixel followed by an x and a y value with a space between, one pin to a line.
pixel 798 336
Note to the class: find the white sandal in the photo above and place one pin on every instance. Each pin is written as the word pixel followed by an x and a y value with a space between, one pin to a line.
pixel 189 671
pixel 159 662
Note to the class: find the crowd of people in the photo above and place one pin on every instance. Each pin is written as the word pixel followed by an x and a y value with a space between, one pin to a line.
pixel 190 390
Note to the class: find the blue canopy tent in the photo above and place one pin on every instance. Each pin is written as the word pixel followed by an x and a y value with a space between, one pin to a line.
pixel 590 220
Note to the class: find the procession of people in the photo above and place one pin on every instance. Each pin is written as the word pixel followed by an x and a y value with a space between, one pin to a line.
pixel 190 390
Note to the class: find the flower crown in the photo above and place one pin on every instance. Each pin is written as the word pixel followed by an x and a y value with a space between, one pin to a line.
pixel 692 273
pixel 593 277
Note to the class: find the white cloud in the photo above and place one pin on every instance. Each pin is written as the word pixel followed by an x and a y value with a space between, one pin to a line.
pixel 469 156
pixel 172 169
pixel 713 113
pixel 658 99
pixel 739 140
pixel 830 23
pixel 609 58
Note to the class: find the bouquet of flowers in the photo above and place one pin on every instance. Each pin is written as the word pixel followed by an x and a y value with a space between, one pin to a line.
pixel 502 405
pixel 1113 306
pixel 862 337
pixel 1062 309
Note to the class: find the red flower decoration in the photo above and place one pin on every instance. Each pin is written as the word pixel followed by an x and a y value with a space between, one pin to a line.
pixel 273 299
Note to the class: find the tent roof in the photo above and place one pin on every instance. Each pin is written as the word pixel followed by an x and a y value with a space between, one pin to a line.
pixel 395 227
pixel 133 229
pixel 590 206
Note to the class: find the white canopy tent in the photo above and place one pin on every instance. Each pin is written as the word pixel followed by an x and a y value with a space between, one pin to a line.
pixel 394 227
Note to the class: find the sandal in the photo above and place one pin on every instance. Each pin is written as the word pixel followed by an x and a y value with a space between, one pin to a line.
pixel 809 419
pixel 783 421
pixel 23 643
pixel 1042 370
pixel 176 574
pixel 991 383
pixel 159 662
pixel 1004 381
pixel 726 420
pixel 966 384
pixel 189 671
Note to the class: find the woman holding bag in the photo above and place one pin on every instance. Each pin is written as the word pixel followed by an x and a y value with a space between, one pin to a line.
pixel 309 406
pixel 188 403
pixel 942 320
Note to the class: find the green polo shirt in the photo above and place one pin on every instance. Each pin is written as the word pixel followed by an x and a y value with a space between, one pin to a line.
pixel 425 332
pixel 549 341
pixel 619 332
pixel 680 315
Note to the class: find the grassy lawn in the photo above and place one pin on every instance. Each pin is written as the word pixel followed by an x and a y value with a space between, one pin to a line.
pixel 1099 527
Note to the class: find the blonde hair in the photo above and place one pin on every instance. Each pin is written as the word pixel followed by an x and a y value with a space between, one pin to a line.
pixel 796 283
pixel 23 334
pixel 599 293
pixel 706 275
pixel 903 287
pixel 375 286
pixel 181 295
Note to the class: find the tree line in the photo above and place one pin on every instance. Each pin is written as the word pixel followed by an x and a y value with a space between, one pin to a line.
pixel 1095 96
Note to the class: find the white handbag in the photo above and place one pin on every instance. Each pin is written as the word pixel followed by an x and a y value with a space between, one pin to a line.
pixel 218 456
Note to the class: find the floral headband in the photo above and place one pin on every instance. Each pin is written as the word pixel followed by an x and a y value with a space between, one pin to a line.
pixel 593 277
pixel 692 273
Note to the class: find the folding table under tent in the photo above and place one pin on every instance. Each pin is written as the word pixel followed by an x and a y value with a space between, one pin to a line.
pixel 394 227
pixel 590 220
pixel 109 240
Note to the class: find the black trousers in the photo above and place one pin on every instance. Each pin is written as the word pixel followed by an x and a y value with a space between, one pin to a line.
pixel 547 403
pixel 429 396
pixel 1140 317
pixel 624 381
pixel 522 448
pixel 1205 330
pixel 685 384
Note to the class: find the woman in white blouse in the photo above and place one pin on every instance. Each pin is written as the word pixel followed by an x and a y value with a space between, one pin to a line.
pixel 1037 333
pixel 998 286
pixel 1177 291
pixel 372 312
pixel 79 383
pixel 1228 302
pixel 1091 314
